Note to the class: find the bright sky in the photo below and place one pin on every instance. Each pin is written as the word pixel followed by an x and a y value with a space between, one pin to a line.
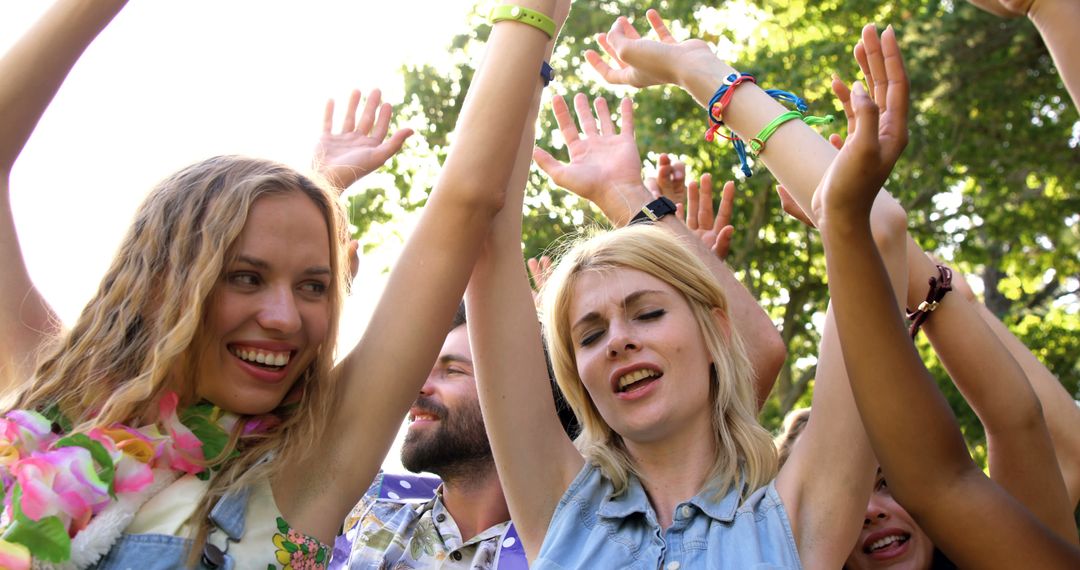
pixel 169 83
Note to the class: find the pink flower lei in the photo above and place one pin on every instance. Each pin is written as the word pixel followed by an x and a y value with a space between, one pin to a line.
pixel 54 484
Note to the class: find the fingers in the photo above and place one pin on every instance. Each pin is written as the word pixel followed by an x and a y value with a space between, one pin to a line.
pixel 549 164
pixel 603 114
pixel 680 213
pixel 692 197
pixel 653 187
pixel 392 145
pixel 727 206
pixel 876 60
pixel 539 267
pixel 328 117
pixel 605 44
pixel 837 141
pixel 843 94
pixel 722 246
pixel 626 116
pixel 610 75
pixel 866 112
pixel 792 207
pixel 864 65
pixel 562 118
pixel 705 205
pixel 659 26
pixel 585 116
pixel 897 102
pixel 348 124
pixel 367 118
pixel 382 123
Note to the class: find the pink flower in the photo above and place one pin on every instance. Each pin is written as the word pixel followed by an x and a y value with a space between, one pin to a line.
pixel 184 451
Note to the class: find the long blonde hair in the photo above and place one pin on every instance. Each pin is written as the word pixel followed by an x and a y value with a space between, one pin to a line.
pixel 745 448
pixel 137 336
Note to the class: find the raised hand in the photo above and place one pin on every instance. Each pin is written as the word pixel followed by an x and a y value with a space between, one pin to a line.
pixel 361 146
pixel 1005 8
pixel 539 270
pixel 877 132
pixel 670 180
pixel 643 62
pixel 602 161
pixel 714 231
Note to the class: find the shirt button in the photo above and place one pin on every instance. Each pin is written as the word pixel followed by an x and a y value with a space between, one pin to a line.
pixel 685 511
pixel 440 518
pixel 455 555
pixel 672 566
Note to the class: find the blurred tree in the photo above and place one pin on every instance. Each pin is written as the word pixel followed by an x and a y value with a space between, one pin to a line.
pixel 991 177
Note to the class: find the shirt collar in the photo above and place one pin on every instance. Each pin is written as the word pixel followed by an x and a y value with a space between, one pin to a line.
pixel 635 500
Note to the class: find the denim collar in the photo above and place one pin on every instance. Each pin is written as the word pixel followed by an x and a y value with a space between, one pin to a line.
pixel 635 500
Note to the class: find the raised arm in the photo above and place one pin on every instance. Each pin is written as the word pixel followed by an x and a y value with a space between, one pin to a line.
pixel 32 72
pixel 1056 22
pixel 535 457
pixel 1021 454
pixel 909 423
pixel 605 169
pixel 382 375
pixel 1059 410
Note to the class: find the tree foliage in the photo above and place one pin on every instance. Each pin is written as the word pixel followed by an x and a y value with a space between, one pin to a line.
pixel 990 178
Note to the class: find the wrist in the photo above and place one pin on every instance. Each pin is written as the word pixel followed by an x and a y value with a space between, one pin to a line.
pixel 622 201
pixel 701 75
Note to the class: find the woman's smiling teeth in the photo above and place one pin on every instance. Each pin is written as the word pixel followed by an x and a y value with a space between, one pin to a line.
pixel 888 540
pixel 265 358
pixel 631 378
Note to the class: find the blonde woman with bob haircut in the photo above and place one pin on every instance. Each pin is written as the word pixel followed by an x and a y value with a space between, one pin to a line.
pixel 660 351
pixel 193 414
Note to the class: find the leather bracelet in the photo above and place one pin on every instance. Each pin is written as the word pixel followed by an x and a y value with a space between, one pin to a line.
pixel 653 211
pixel 524 15
pixel 939 286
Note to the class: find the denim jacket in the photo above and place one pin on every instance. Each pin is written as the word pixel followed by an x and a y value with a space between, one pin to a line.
pixel 167 552
pixel 591 528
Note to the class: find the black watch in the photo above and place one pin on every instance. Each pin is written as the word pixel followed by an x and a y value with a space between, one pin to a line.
pixel 547 73
pixel 654 210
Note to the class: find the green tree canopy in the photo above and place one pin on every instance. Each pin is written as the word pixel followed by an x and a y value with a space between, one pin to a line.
pixel 990 178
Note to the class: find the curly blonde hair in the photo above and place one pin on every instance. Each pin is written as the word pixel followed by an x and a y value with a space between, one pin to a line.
pixel 137 336
pixel 745 449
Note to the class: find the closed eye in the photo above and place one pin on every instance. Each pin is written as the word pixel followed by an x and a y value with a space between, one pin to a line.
pixel 652 315
pixel 591 337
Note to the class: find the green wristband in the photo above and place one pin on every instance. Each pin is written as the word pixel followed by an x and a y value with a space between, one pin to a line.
pixel 525 16
pixel 757 144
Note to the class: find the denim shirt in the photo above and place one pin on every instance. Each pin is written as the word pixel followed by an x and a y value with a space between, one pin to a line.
pixel 166 552
pixel 590 528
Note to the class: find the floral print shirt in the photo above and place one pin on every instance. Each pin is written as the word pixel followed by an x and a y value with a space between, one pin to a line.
pixel 402 523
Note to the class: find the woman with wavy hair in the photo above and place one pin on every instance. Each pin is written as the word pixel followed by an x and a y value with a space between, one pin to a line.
pixel 193 414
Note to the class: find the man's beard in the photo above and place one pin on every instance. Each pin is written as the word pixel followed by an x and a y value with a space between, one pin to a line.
pixel 457 445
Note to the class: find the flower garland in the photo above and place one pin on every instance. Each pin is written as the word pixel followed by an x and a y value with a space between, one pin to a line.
pixel 54 485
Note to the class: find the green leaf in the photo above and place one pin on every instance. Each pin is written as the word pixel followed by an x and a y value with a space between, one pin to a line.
pixel 47 538
pixel 54 415
pixel 213 438
pixel 282 526
pixel 106 470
